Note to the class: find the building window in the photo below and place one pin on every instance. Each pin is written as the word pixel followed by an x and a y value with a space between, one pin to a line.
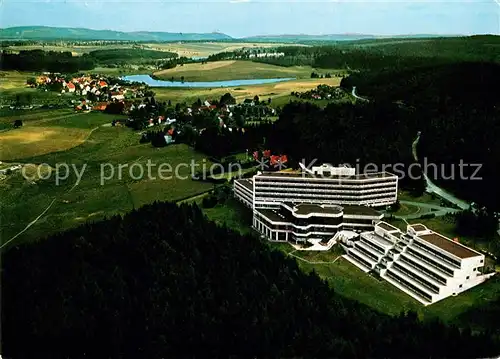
pixel 460 286
pixel 468 277
pixel 482 260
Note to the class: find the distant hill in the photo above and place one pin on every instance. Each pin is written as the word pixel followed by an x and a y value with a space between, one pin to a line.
pixel 332 37
pixel 303 37
pixel 66 33
pixel 54 33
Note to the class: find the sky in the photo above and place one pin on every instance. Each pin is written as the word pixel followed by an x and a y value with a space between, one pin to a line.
pixel 240 18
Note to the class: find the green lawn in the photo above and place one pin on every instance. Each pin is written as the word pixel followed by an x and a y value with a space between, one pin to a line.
pixel 233 214
pixel 425 198
pixel 8 116
pixel 407 209
pixel 351 282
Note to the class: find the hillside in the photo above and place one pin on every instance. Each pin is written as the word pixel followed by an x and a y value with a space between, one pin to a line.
pixel 55 33
pixel 401 53
pixel 232 70
pixel 164 282
pixel 471 48
pixel 457 108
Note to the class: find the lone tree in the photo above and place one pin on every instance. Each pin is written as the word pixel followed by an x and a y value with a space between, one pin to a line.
pixel 18 123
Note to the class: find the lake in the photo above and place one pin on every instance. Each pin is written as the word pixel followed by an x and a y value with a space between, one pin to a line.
pixel 148 80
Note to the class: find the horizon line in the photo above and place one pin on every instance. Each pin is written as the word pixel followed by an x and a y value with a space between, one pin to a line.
pixel 259 35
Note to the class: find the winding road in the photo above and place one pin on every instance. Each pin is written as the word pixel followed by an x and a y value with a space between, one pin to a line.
pixel 356 96
pixel 433 188
pixel 426 208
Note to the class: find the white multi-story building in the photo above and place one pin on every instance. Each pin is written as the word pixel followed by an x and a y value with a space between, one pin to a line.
pixel 316 203
pixel 322 185
pixel 306 222
pixel 424 264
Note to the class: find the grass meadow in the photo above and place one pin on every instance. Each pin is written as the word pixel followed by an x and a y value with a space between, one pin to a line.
pixel 349 281
pixel 204 49
pixel 234 70
pixel 102 191
pixel 280 93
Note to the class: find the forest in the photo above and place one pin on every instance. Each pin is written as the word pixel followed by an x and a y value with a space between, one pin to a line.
pixel 373 55
pixel 39 60
pixel 163 281
pixel 456 108
pixel 117 56
pixel 65 62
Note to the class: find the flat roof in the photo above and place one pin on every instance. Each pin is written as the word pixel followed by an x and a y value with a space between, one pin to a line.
pixel 316 208
pixel 375 237
pixel 246 183
pixel 361 210
pixel 448 245
pixel 419 227
pixel 387 226
pixel 308 175
pixel 270 214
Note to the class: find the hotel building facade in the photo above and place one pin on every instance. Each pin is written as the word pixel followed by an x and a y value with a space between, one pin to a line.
pixel 424 264
pixel 301 222
pixel 325 185
pixel 317 203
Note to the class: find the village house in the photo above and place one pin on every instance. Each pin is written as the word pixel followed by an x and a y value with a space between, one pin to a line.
pixel 100 106
pixel 117 96
pixel 70 87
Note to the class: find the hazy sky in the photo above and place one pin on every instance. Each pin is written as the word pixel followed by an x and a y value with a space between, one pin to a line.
pixel 240 18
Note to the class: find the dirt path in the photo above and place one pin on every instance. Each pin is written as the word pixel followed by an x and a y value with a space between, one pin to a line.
pixel 51 203
pixel 29 224
pixel 309 262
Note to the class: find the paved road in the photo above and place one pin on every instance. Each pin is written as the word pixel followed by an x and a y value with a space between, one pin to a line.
pixel 356 96
pixel 433 188
pixel 426 208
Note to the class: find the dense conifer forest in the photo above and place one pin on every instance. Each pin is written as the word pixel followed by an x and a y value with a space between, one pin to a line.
pixel 65 62
pixel 456 108
pixel 379 54
pixel 39 60
pixel 163 281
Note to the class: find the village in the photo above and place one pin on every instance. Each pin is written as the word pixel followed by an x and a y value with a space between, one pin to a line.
pixel 95 92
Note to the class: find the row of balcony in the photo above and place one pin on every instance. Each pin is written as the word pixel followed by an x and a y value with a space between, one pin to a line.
pixel 286 195
pixel 273 184
pixel 273 189
pixel 414 288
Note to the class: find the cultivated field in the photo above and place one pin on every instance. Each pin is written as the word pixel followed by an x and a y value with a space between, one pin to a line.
pixel 234 70
pixel 69 205
pixel 76 50
pixel 204 49
pixel 187 49
pixel 32 141
pixel 13 80
pixel 277 91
